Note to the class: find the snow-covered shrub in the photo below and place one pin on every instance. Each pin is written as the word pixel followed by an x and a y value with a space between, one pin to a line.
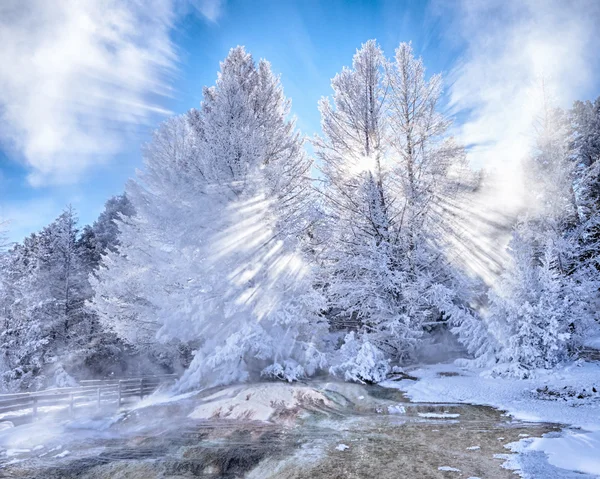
pixel 288 371
pixel 360 361
pixel 62 379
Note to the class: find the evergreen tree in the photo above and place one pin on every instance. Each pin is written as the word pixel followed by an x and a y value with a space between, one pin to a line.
pixel 103 236
pixel 585 146
pixel 213 255
pixel 545 302
pixel 47 319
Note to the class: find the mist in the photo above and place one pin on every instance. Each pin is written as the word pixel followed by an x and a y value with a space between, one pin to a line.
pixel 518 54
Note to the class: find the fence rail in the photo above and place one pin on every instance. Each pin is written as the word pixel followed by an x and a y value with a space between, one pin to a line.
pixel 89 392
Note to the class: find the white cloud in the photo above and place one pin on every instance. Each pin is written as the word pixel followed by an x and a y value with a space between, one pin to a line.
pixel 77 76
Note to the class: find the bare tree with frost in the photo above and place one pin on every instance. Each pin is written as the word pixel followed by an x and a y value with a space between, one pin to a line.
pixel 387 167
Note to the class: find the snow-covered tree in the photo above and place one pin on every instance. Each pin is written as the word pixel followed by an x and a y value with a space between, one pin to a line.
pixel 103 235
pixel 387 165
pixel 213 255
pixel 545 301
pixel 48 331
pixel 585 122
pixel 3 235
pixel 531 306
pixel 47 321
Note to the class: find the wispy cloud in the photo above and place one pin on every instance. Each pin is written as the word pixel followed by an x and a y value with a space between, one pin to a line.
pixel 77 76
pixel 210 9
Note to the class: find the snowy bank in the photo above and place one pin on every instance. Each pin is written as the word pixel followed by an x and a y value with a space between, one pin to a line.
pixel 569 395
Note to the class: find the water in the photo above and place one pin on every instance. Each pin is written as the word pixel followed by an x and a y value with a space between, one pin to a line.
pixel 356 432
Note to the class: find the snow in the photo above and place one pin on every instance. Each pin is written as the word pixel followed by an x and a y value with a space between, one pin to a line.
pixel 63 454
pixel 435 415
pixel 571 450
pixel 473 448
pixel 6 425
pixel 448 468
pixel 342 447
pixel 396 409
pixel 592 342
pixel 517 397
pixel 16 452
pixel 257 402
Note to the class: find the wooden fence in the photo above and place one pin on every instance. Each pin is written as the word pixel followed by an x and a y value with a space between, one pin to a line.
pixel 91 392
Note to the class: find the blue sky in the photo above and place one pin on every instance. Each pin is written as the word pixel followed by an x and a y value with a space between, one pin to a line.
pixel 308 42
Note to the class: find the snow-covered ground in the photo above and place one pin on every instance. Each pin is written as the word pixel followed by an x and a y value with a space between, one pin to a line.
pixel 569 395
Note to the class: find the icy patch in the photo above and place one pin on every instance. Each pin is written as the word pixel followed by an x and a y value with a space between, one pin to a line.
pixel 258 402
pixel 473 448
pixel 342 447
pixel 63 454
pixel 436 415
pixel 448 468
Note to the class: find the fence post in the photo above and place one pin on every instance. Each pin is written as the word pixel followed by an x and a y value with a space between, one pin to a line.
pixel 71 405
pixel 98 397
pixel 35 407
pixel 142 388
pixel 119 398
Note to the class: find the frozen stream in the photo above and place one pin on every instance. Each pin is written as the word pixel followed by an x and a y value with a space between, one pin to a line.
pixel 316 430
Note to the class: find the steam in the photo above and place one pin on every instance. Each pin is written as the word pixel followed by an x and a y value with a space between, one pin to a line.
pixel 516 52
